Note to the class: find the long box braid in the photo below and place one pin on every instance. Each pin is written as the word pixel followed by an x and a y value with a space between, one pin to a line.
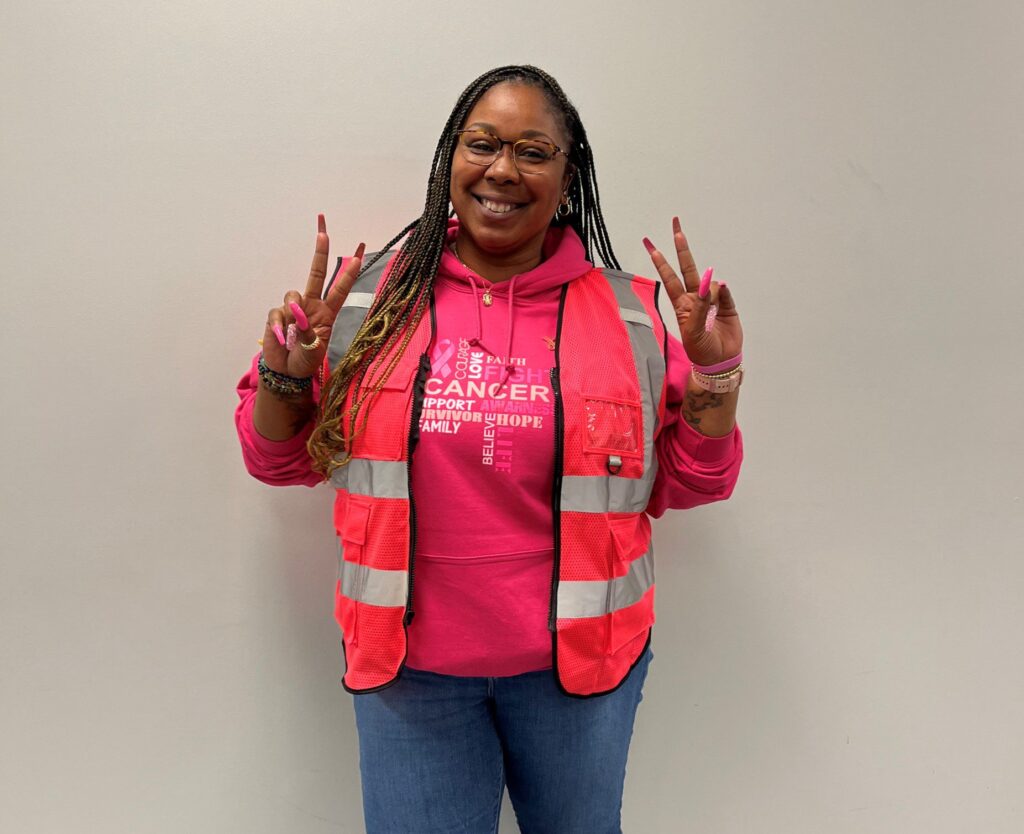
pixel 401 301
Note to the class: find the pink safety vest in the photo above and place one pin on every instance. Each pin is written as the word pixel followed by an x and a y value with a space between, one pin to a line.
pixel 608 384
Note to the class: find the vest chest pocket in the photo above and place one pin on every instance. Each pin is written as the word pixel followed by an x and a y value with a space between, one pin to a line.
pixel 399 380
pixel 386 430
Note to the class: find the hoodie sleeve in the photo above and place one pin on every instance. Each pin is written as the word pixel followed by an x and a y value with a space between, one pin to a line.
pixel 278 463
pixel 693 469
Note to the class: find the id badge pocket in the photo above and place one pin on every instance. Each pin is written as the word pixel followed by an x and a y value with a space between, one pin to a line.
pixel 613 427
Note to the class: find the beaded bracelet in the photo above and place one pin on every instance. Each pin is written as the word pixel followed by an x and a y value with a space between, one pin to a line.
pixel 281 383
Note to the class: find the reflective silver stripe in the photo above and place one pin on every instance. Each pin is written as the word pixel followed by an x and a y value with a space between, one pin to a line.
pixel 604 494
pixel 597 598
pixel 611 493
pixel 346 325
pixel 359 299
pixel 373 585
pixel 375 478
pixel 353 312
pixel 647 354
pixel 635 316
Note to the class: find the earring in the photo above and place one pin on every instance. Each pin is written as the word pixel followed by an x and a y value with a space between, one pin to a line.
pixel 566 205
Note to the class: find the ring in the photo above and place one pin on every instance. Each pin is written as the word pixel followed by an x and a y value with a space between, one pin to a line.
pixel 312 345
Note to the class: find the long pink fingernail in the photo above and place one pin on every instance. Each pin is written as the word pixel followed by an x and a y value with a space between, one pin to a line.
pixel 709 323
pixel 278 332
pixel 300 316
pixel 292 338
pixel 648 246
pixel 705 283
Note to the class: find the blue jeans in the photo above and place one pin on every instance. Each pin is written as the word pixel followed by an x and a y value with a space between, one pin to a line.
pixel 436 752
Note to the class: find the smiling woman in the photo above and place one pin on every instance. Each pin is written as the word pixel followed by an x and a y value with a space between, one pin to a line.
pixel 506 200
pixel 500 418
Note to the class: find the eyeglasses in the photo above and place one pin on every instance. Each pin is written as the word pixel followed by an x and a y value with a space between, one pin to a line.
pixel 530 156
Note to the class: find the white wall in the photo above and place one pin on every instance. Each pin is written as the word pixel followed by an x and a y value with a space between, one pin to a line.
pixel 838 645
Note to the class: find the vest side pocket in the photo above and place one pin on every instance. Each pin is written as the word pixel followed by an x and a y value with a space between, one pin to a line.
pixel 627 629
pixel 628 536
pixel 351 522
pixel 634 612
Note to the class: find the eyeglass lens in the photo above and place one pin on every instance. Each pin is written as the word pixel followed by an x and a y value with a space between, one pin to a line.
pixel 483 148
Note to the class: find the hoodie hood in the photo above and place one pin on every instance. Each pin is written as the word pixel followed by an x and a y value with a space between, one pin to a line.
pixel 564 261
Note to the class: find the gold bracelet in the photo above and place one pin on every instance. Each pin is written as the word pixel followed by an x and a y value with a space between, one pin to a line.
pixel 723 375
pixel 719 383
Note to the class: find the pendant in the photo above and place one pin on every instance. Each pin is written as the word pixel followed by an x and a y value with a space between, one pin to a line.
pixel 488 300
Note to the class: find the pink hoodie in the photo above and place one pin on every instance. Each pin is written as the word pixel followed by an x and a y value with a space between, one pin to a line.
pixel 483 468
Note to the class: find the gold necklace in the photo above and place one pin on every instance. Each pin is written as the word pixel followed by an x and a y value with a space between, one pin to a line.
pixel 488 300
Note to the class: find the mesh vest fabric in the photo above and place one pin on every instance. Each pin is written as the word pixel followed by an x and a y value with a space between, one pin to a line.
pixel 610 373
pixel 608 348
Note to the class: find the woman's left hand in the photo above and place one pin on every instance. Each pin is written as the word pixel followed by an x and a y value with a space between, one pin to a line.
pixel 693 298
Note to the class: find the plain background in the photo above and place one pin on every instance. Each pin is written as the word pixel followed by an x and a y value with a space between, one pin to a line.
pixel 838 645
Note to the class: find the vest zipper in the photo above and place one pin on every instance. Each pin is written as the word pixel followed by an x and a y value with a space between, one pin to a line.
pixel 419 388
pixel 414 437
pixel 556 497
pixel 556 487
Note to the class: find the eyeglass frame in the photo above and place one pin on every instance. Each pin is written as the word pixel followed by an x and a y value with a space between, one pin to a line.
pixel 513 143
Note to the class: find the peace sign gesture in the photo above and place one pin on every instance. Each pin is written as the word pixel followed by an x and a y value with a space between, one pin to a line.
pixel 297 333
pixel 708 322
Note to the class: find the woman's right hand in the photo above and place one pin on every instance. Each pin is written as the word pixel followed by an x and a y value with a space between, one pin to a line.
pixel 312 316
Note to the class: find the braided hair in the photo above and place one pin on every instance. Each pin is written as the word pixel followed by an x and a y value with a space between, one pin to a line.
pixel 402 299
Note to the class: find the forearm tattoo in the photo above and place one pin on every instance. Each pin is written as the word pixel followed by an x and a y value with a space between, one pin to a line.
pixel 300 406
pixel 695 403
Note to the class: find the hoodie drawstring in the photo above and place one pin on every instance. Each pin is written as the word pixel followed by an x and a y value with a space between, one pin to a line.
pixel 508 350
pixel 478 340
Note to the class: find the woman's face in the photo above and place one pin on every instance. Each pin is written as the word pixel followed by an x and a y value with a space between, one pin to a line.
pixel 509 111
